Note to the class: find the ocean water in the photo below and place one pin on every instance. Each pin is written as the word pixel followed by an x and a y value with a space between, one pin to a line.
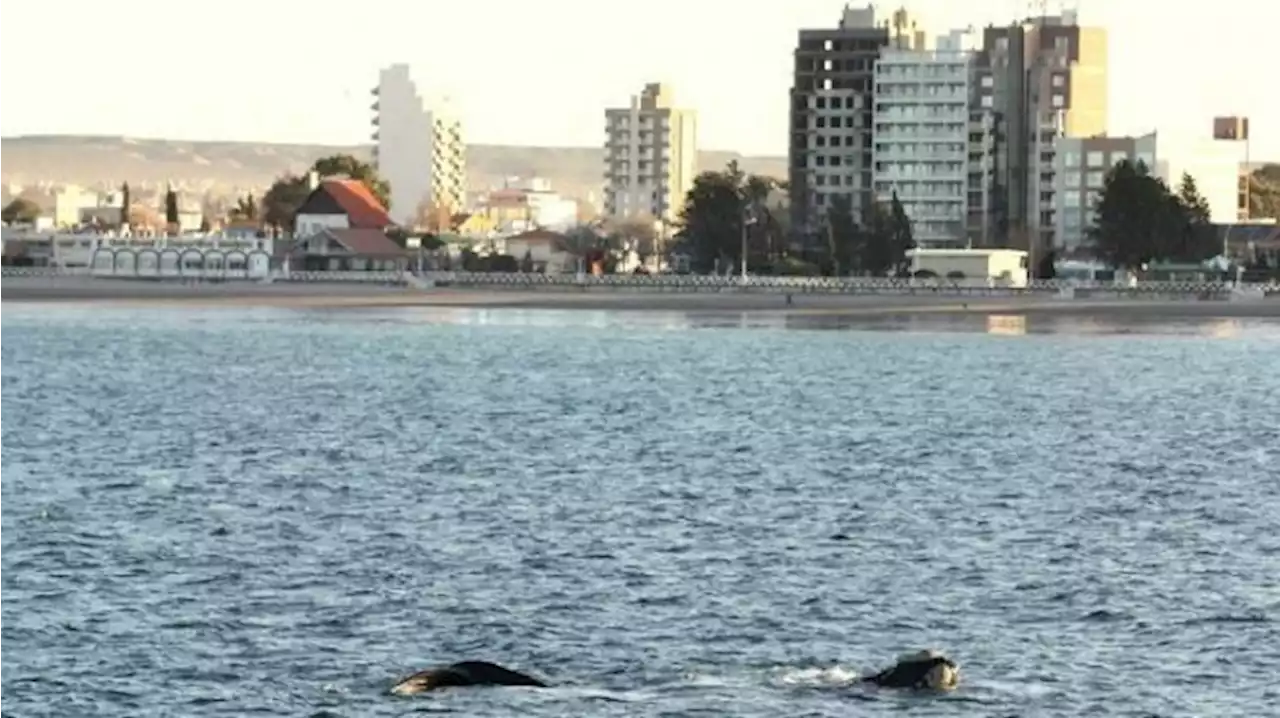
pixel 271 512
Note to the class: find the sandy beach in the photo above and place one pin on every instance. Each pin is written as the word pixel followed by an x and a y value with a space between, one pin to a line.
pixel 312 295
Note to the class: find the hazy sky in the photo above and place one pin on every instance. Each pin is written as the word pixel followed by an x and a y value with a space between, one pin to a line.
pixel 541 72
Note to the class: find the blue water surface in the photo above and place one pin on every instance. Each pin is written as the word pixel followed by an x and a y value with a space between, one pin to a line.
pixel 277 512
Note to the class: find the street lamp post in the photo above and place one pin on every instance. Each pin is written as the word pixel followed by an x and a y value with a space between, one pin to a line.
pixel 748 218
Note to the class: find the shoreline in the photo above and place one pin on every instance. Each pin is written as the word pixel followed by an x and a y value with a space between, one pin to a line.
pixel 336 296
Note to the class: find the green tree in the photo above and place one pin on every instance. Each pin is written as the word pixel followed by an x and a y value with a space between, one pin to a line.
pixel 1264 192
pixel 877 256
pixel 126 203
pixel 1134 218
pixel 901 239
pixel 245 209
pixel 281 202
pixel 21 210
pixel 884 239
pixel 171 207
pixel 844 238
pixel 349 166
pixel 1138 220
pixel 1198 236
pixel 718 208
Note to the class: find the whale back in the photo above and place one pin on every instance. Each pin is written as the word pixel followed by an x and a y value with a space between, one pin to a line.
pixel 927 669
pixel 465 673
pixel 483 673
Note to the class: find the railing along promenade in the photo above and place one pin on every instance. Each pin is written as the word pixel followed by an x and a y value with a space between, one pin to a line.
pixel 690 283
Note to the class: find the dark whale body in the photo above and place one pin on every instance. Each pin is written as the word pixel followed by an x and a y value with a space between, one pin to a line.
pixel 924 671
pixel 466 673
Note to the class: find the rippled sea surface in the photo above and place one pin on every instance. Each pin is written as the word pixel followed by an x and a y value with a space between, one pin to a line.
pixel 269 512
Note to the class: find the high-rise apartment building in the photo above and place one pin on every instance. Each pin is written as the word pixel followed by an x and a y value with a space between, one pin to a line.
pixel 651 156
pixel 831 126
pixel 418 147
pixel 921 149
pixel 1044 78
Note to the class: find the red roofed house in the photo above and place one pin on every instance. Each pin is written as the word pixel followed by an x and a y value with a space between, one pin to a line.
pixel 342 227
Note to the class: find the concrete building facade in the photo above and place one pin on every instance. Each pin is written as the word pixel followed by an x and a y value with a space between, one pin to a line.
pixel 832 116
pixel 650 155
pixel 1236 129
pixel 1044 78
pixel 1080 169
pixel 418 147
pixel 921 134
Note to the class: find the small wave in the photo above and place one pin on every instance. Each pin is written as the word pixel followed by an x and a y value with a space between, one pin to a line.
pixel 818 677
pixel 1228 618
pixel 1102 615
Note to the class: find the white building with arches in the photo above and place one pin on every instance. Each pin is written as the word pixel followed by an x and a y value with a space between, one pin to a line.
pixel 210 256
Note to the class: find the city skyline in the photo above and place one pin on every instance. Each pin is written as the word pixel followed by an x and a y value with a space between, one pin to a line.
pixel 733 67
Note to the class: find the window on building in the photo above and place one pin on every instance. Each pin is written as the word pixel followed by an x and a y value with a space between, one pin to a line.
pixel 1096 179
pixel 1059 80
pixel 1096 158
pixel 1148 159
pixel 820 102
pixel 1071 198
pixel 988 101
pixel 1118 157
pixel 1070 159
pixel 1059 101
pixel 1071 180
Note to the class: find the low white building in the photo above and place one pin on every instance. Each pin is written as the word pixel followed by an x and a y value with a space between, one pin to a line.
pixel 547 250
pixel 197 255
pixel 982 267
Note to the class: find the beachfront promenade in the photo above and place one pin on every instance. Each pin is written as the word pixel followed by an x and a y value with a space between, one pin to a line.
pixel 20 278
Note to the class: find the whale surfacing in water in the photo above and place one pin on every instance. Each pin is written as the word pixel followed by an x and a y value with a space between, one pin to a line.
pixel 924 670
pixel 466 673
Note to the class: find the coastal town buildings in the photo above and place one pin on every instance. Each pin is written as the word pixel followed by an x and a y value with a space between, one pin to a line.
pixel 418 147
pixel 525 204
pixel 650 155
pixel 832 118
pixel 921 149
pixel 1043 78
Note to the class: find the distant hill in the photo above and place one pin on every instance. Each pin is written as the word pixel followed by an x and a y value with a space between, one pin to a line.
pixel 227 167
